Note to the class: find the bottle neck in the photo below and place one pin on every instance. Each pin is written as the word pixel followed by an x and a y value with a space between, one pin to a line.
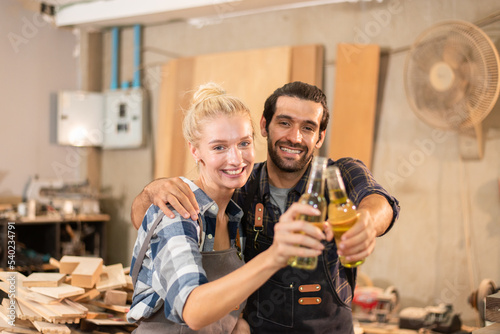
pixel 316 182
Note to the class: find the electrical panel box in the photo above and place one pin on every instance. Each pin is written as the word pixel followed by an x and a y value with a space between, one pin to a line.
pixel 124 118
pixel 79 118
pixel 113 120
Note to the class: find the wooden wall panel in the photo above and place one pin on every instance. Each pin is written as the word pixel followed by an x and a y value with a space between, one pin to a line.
pixel 355 100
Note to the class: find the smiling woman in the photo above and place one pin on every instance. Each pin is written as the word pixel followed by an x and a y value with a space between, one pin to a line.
pixel 181 266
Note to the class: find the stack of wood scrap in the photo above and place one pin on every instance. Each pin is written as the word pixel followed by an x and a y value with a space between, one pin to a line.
pixel 84 295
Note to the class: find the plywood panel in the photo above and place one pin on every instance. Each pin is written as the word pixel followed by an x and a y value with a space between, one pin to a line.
pixel 307 64
pixel 170 148
pixel 355 100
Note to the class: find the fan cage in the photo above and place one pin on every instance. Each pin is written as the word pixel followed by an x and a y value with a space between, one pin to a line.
pixel 472 61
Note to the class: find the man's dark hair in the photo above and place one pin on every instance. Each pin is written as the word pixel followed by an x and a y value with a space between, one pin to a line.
pixel 299 90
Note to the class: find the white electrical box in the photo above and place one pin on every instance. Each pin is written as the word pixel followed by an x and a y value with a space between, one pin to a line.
pixel 79 118
pixel 113 120
pixel 123 118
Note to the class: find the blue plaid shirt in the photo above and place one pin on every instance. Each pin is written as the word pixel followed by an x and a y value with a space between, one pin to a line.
pixel 172 266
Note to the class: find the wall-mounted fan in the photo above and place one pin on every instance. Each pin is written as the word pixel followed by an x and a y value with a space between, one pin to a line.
pixel 452 76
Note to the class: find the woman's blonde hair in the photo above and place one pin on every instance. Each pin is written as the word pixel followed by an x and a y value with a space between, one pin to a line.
pixel 210 101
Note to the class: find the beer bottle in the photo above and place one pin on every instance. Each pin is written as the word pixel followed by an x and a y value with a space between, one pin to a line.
pixel 342 214
pixel 315 197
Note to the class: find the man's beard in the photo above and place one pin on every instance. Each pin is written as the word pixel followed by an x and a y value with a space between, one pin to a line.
pixel 286 165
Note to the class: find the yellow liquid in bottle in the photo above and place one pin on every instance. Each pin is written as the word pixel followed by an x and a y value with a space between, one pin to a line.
pixel 342 215
pixel 318 202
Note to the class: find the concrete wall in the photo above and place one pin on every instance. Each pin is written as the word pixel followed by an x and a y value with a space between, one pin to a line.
pixel 448 236
pixel 36 61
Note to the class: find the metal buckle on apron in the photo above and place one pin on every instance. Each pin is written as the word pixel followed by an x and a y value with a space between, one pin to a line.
pixel 257 224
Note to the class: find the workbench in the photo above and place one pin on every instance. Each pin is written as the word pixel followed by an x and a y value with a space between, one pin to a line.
pixel 46 234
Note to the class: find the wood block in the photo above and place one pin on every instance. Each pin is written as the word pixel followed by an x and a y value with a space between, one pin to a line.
pixel 115 297
pixel 493 307
pixel 48 328
pixel 112 278
pixel 62 291
pixel 130 284
pixel 44 279
pixel 355 102
pixel 84 271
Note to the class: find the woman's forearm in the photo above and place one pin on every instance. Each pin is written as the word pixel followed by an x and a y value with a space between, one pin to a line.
pixel 214 300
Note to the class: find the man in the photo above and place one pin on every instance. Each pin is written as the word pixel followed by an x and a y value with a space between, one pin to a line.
pixel 294 301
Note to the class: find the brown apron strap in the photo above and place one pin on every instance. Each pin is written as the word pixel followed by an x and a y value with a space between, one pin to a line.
pixel 144 248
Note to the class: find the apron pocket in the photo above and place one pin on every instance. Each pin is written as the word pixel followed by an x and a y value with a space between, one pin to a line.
pixel 275 301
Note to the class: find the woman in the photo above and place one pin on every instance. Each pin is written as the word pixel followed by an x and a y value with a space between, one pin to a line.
pixel 188 272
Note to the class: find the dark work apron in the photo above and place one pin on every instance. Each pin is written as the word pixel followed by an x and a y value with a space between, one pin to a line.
pixel 296 301
pixel 216 265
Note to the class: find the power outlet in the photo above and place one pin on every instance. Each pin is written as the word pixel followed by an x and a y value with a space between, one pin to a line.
pixel 124 118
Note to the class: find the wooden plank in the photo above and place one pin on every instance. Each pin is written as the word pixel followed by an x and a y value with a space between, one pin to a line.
pixel 77 306
pixel 44 279
pixel 109 322
pixel 39 309
pixel 177 76
pixel 62 291
pixel 48 328
pixel 65 311
pixel 115 297
pixel 84 271
pixel 112 278
pixel 16 329
pixel 355 100
pixel 4 314
pixel 25 313
pixel 7 275
pixel 42 299
pixel 307 64
pixel 89 295
pixel 116 308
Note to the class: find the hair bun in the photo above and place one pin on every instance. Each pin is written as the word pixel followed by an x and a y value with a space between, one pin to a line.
pixel 207 91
